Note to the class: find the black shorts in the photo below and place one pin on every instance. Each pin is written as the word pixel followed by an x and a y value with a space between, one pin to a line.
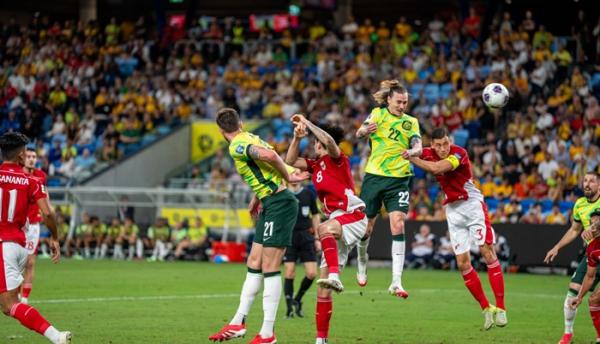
pixel 303 248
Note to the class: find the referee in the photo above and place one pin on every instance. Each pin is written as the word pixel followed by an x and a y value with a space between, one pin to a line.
pixel 304 247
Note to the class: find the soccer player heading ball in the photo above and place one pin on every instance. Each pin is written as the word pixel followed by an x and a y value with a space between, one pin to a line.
pixel 468 220
pixel 394 136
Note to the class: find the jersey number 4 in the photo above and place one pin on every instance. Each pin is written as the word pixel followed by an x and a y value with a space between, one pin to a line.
pixel 12 203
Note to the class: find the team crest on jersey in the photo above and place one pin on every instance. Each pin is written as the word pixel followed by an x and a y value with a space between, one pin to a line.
pixel 406 125
pixel 240 149
pixel 322 165
pixel 457 155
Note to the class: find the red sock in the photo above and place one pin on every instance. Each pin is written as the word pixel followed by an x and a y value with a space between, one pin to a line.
pixel 330 251
pixel 474 285
pixel 26 290
pixel 29 317
pixel 497 282
pixel 595 312
pixel 323 315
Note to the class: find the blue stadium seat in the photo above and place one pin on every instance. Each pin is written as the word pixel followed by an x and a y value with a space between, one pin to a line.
pixel 432 92
pixel 163 130
pixel 445 90
pixel 547 205
pixel 526 204
pixel 434 192
pixel 492 203
pixel 565 206
pixel 461 136
pixel 415 89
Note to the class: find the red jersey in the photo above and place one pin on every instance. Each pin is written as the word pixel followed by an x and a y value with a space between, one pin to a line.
pixel 457 183
pixel 34 215
pixel 592 252
pixel 334 183
pixel 17 192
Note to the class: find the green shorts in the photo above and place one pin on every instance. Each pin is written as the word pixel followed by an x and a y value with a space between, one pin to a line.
pixel 277 220
pixel 579 274
pixel 393 192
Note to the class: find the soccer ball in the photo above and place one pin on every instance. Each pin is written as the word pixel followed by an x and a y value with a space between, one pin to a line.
pixel 495 95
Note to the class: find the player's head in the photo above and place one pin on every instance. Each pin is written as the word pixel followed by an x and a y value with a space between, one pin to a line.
pixel 440 142
pixel 591 183
pixel 392 95
pixel 30 158
pixel 12 146
pixel 595 220
pixel 228 121
pixel 295 187
pixel 336 133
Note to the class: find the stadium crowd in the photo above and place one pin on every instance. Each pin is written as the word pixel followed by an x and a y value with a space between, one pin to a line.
pixel 90 93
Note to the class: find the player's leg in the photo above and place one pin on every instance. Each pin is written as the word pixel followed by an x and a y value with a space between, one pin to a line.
pixel 570 313
pixel 252 284
pixel 310 273
pixel 185 243
pixel 289 273
pixel 32 237
pixel 594 303
pixel 371 193
pixel 396 199
pixel 496 279
pixel 118 250
pixel 329 232
pixel 324 310
pixel 12 260
pixel 271 262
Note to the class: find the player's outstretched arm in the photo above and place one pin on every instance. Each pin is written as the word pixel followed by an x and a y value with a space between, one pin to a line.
pixel 272 158
pixel 567 238
pixel 292 156
pixel 588 281
pixel 437 167
pixel 332 148
pixel 50 222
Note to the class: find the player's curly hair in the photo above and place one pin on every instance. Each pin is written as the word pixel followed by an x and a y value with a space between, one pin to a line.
pixel 11 145
pixel 386 89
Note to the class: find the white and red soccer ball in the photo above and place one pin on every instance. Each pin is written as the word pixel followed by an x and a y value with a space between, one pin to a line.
pixel 495 95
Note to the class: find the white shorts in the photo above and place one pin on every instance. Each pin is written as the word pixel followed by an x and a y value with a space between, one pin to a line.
pixel 354 228
pixel 468 222
pixel 13 258
pixel 32 235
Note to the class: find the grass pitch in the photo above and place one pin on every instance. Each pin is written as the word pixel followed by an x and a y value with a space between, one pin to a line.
pixel 179 303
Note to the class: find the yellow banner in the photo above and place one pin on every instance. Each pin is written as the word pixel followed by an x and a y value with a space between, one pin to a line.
pixel 210 217
pixel 206 138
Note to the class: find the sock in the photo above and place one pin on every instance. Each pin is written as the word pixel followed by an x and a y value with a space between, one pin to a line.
pixel 288 290
pixel 595 312
pixel 250 288
pixel 96 251
pixel 26 290
pixel 118 252
pixel 103 250
pixel 86 252
pixel 323 316
pixel 29 317
pixel 139 248
pixel 569 312
pixel 473 283
pixel 52 334
pixel 361 250
pixel 330 251
pixel 497 282
pixel 398 248
pixel 271 296
pixel 306 283
pixel 44 249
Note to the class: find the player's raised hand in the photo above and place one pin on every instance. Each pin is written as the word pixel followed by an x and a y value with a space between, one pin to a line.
pixel 55 250
pixel 298 176
pixel 575 302
pixel 300 130
pixel 551 255
pixel 254 207
pixel 298 118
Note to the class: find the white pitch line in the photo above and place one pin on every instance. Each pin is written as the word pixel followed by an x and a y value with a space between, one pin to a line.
pixel 365 292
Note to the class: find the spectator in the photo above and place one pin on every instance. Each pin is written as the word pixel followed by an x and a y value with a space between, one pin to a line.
pixel 422 248
pixel 556 217
pixel 444 254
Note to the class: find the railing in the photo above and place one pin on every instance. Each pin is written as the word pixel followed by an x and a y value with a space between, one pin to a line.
pixel 94 199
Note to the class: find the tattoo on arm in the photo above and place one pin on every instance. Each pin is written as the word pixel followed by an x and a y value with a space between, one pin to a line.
pixel 254 152
pixel 415 140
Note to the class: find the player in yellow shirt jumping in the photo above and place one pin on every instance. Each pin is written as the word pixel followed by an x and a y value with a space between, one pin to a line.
pixel 393 136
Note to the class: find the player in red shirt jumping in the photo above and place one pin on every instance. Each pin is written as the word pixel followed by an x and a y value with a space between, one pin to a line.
pixel 347 224
pixel 592 253
pixel 34 218
pixel 468 220
pixel 17 192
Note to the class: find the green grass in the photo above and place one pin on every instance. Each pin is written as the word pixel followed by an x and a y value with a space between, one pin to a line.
pixel 197 299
